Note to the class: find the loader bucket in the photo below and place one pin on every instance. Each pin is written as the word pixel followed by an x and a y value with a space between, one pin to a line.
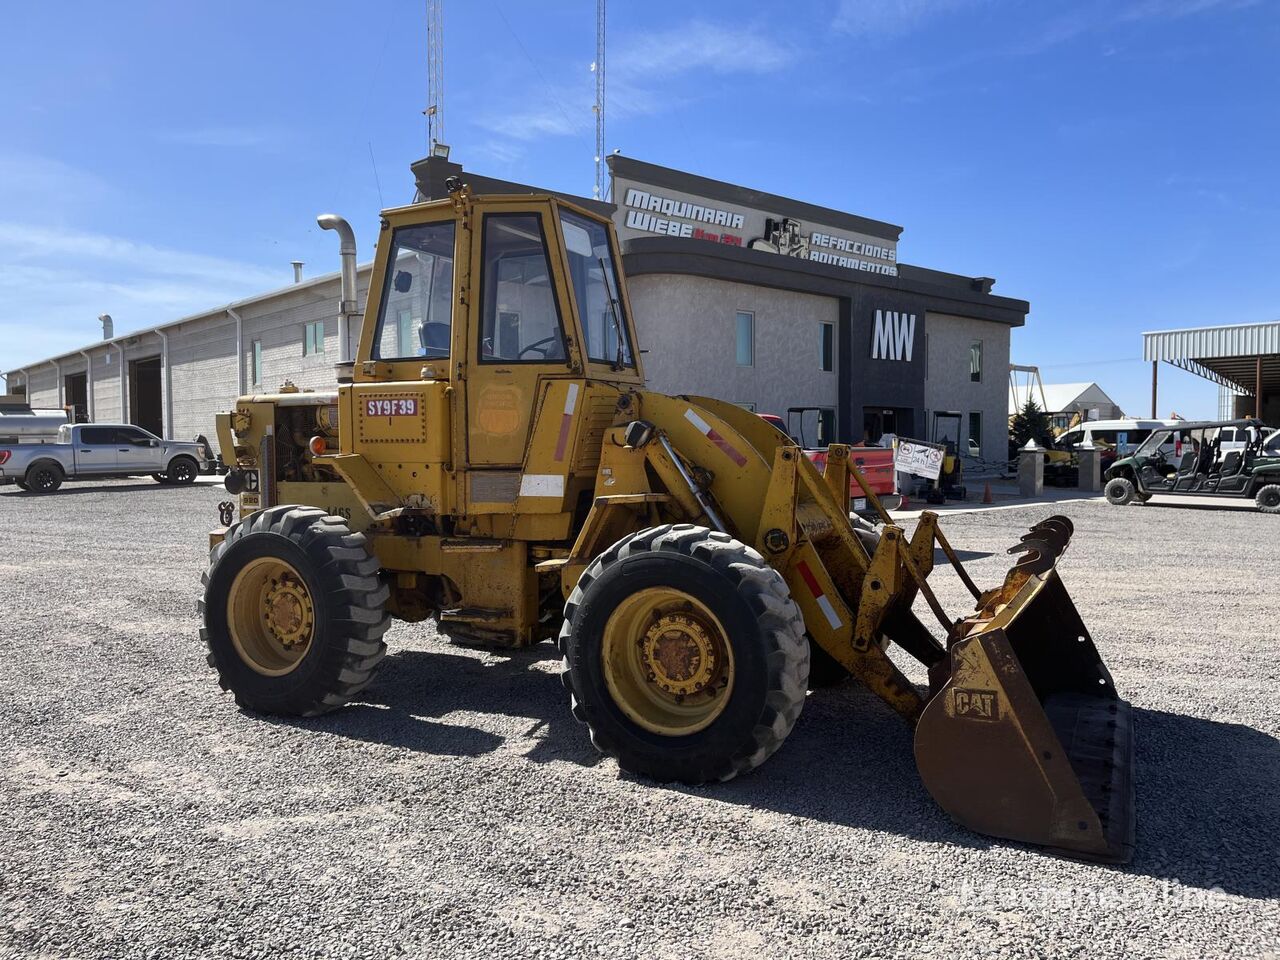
pixel 1026 737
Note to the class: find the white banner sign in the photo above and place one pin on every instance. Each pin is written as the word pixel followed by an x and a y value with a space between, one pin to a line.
pixel 919 458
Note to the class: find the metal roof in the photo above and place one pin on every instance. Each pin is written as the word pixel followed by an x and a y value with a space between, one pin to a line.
pixel 1226 355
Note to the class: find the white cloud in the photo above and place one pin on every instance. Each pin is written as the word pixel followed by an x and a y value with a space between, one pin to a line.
pixel 893 17
pixel 227 137
pixel 637 72
pixel 55 282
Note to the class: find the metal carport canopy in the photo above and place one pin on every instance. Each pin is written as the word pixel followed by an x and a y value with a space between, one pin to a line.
pixel 1226 355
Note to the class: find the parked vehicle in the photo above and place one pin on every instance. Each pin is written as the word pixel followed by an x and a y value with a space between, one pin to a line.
pixel 875 464
pixel 22 423
pixel 93 451
pixel 1114 438
pixel 1204 469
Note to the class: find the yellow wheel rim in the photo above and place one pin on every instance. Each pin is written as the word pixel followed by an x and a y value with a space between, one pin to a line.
pixel 667 661
pixel 271 616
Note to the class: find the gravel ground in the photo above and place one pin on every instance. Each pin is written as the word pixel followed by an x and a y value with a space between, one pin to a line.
pixel 460 812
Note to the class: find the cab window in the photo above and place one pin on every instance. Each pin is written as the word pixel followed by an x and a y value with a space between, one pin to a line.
pixel 416 315
pixel 520 317
pixel 595 287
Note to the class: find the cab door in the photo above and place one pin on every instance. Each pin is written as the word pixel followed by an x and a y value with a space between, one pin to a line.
pixel 137 451
pixel 95 449
pixel 518 334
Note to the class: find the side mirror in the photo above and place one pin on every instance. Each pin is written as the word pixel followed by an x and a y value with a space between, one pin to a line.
pixel 153 443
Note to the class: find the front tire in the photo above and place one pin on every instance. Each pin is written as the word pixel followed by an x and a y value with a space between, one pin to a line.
pixel 293 612
pixel 183 471
pixel 1268 498
pixel 1119 491
pixel 684 655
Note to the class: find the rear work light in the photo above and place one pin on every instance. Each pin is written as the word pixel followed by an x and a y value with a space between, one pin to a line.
pixel 4 456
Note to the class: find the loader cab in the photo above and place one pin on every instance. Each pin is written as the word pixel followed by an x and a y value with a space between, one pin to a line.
pixel 495 296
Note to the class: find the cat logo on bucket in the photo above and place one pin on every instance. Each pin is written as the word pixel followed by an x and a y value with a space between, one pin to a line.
pixel 976 704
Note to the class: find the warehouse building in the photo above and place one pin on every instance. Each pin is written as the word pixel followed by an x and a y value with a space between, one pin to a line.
pixel 765 301
pixel 1242 359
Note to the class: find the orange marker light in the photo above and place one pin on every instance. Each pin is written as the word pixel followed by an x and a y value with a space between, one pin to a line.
pixel 319 447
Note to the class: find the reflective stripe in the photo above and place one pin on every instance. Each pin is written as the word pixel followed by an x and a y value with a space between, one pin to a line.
pixel 705 428
pixel 566 421
pixel 815 588
pixel 542 485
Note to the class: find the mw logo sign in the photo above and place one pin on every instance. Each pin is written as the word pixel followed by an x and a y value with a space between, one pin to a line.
pixel 894 335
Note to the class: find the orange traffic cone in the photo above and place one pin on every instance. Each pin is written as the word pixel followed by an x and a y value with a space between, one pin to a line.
pixel 986 494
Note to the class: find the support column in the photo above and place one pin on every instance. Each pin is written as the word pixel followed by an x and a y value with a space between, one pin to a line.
pixel 1031 470
pixel 1155 377
pixel 1090 469
pixel 1257 388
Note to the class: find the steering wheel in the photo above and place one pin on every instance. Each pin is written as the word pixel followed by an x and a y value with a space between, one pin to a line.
pixel 543 347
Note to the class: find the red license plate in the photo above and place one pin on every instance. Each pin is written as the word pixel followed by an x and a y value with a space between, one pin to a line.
pixel 394 407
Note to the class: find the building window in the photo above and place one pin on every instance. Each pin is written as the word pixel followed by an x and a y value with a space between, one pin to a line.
pixel 975 431
pixel 313 338
pixel 975 361
pixel 826 426
pixel 746 326
pixel 255 362
pixel 826 347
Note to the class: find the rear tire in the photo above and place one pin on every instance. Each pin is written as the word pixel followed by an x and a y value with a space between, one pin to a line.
pixel 724 609
pixel 1268 498
pixel 1119 491
pixel 183 471
pixel 293 612
pixel 44 478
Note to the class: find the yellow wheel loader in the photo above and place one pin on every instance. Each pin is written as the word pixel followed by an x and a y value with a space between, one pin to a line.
pixel 493 461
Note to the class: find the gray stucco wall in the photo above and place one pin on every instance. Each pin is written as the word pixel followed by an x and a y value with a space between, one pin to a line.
pixel 947 385
pixel 689 326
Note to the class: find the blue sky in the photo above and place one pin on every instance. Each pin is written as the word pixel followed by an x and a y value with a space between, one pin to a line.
pixel 1112 162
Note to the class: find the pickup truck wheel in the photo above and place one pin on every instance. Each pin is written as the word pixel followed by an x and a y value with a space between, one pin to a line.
pixel 293 612
pixel 684 655
pixel 1268 498
pixel 183 471
pixel 44 478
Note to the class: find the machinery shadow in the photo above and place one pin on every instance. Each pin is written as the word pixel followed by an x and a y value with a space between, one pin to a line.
pixel 964 556
pixel 415 686
pixel 1207 804
pixel 1206 790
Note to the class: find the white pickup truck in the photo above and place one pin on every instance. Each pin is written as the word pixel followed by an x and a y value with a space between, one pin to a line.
pixel 93 451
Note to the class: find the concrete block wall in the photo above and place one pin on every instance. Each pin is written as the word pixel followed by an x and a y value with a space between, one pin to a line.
pixel 689 326
pixel 947 385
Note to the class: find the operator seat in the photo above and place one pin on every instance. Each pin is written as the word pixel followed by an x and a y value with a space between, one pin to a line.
pixel 1186 469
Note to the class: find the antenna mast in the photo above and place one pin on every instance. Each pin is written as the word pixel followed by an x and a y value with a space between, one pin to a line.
pixel 598 68
pixel 435 75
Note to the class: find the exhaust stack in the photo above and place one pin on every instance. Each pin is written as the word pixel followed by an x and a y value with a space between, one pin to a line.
pixel 348 308
pixel 108 326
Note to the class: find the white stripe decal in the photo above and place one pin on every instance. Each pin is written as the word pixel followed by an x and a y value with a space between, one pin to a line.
pixel 697 421
pixel 571 401
pixel 829 611
pixel 542 485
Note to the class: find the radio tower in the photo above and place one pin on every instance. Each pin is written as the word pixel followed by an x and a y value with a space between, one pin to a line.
pixel 435 75
pixel 598 69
